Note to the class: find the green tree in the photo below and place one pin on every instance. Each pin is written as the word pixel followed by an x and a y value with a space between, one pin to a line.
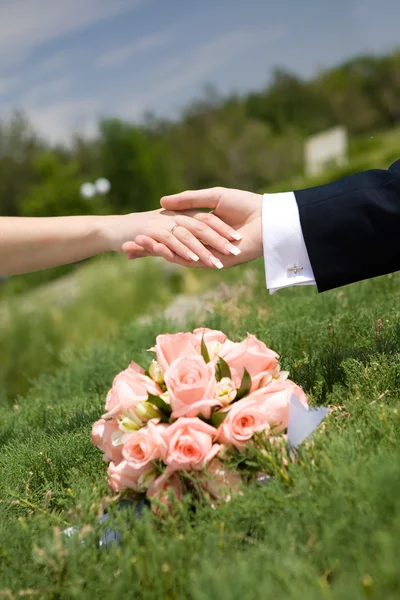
pixel 138 164
pixel 19 145
pixel 57 190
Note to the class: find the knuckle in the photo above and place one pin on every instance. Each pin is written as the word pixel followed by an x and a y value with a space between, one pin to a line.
pixel 204 217
pixel 201 229
pixel 181 233
pixel 185 235
pixel 167 237
pixel 218 190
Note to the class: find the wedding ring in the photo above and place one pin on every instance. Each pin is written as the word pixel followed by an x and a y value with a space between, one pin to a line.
pixel 174 227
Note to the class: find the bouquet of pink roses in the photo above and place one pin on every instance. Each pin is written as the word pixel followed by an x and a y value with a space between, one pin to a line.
pixel 193 419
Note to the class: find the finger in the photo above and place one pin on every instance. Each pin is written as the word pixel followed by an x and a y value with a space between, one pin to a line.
pixel 192 231
pixel 218 225
pixel 196 247
pixel 134 250
pixel 159 249
pixel 134 247
pixel 192 199
pixel 173 243
pixel 155 248
pixel 213 231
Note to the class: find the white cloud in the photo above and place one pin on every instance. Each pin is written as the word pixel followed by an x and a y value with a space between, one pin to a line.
pixel 58 121
pixel 55 62
pixel 197 67
pixel 26 24
pixel 56 112
pixel 8 83
pixel 212 56
pixel 44 92
pixel 119 55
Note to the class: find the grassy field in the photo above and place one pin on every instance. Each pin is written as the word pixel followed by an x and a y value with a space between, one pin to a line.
pixel 332 530
pixel 45 318
pixel 42 329
pixel 377 151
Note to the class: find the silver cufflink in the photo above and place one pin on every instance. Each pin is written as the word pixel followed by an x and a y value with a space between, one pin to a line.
pixel 294 269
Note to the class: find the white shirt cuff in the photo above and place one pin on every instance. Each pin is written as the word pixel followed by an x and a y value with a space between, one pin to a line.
pixel 283 242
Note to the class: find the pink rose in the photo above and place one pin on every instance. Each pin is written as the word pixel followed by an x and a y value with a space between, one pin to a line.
pixel 129 372
pixel 274 401
pixel 143 446
pixel 129 388
pixel 213 340
pixel 251 354
pixel 209 335
pixel 191 385
pixel 160 490
pixel 222 482
pixel 125 476
pixel 102 432
pixel 170 346
pixel 243 420
pixel 189 444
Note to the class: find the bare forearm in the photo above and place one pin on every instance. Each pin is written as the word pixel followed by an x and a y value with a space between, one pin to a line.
pixel 33 244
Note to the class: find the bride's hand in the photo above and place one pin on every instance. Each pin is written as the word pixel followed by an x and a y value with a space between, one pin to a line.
pixel 185 236
pixel 240 210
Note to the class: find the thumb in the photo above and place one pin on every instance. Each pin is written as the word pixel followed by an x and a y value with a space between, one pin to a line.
pixel 192 199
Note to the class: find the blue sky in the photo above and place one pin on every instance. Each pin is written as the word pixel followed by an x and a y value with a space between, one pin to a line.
pixel 68 62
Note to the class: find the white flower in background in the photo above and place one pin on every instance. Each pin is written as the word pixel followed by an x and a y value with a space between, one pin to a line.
pixel 88 190
pixel 129 421
pixel 277 375
pixel 214 349
pixel 282 376
pixel 102 186
pixel 146 479
pixel 165 397
pixel 156 373
pixel 146 411
pixel 226 391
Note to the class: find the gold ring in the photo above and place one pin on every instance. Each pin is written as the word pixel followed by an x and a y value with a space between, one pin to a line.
pixel 174 227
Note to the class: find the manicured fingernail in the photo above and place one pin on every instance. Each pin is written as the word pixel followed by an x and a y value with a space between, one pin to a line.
pixel 193 256
pixel 235 234
pixel 217 263
pixel 233 249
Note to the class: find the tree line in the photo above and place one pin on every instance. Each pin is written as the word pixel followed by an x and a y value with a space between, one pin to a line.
pixel 250 141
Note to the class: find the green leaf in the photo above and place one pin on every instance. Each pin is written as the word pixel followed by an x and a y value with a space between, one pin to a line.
pixel 245 386
pixel 218 418
pixel 204 351
pixel 223 370
pixel 160 403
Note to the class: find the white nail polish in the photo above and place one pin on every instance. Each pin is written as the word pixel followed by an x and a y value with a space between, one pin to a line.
pixel 235 234
pixel 193 256
pixel 217 263
pixel 233 249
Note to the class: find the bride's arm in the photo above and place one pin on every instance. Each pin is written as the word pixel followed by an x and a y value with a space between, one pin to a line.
pixel 33 244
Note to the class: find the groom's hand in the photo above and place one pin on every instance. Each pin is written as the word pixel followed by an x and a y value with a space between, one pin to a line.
pixel 238 209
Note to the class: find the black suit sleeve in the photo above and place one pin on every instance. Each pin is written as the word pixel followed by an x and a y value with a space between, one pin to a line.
pixel 352 227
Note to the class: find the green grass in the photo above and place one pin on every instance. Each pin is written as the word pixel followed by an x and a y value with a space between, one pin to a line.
pixel 331 531
pixel 107 292
pixel 377 151
pixel 42 329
